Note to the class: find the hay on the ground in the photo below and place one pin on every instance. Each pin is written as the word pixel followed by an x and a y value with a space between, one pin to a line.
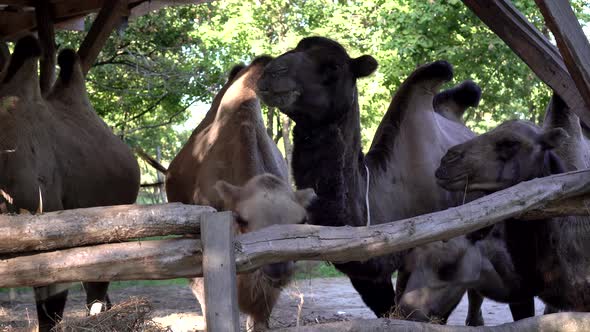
pixel 133 315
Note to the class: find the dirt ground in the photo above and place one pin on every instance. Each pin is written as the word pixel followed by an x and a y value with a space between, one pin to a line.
pixel 311 301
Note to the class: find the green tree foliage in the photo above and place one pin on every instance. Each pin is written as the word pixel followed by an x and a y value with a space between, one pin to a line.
pixel 147 77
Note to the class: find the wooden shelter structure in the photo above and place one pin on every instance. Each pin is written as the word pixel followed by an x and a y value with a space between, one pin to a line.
pixel 20 17
pixel 43 249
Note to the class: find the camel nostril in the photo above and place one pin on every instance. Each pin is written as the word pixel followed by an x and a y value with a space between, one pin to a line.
pixel 440 173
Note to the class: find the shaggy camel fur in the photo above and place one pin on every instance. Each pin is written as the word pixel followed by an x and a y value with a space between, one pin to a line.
pixel 315 85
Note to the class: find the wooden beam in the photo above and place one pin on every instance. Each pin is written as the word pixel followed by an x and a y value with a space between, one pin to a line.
pixel 4 55
pixel 14 23
pixel 572 42
pixel 81 227
pixel 341 244
pixel 160 259
pixel 219 274
pixel 532 47
pixel 178 258
pixel 561 322
pixel 108 19
pixel 46 35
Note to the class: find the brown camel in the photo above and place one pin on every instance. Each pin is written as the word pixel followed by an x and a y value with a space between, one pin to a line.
pixel 231 144
pixel 548 258
pixel 315 85
pixel 263 201
pixel 57 154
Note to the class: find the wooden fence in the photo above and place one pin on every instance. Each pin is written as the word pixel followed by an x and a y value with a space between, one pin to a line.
pixel 113 243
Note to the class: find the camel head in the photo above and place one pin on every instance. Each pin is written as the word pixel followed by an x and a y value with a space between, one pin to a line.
pixel 315 82
pixel 439 274
pixel 513 152
pixel 263 201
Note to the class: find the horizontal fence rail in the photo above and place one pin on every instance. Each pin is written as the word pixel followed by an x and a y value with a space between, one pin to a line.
pixel 81 227
pixel 173 258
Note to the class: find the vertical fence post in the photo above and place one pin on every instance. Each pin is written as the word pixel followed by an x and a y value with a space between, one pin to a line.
pixel 219 273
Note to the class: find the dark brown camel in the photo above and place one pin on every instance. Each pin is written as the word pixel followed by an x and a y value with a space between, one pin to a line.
pixel 492 272
pixel 230 147
pixel 57 154
pixel 549 257
pixel 315 85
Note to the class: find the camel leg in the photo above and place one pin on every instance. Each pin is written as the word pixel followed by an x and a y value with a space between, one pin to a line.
pixel 50 306
pixel 550 310
pixel 400 283
pixel 523 309
pixel 97 299
pixel 378 294
pixel 474 315
pixel 198 289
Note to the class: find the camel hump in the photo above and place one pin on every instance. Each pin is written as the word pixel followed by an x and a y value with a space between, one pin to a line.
pixel 453 102
pixel 26 48
pixel 558 115
pixel 438 71
pixel 235 71
pixel 67 61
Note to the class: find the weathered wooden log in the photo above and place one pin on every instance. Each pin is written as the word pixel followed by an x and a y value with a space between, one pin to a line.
pixel 571 40
pixel 178 258
pixel 219 274
pixel 340 244
pixel 80 227
pixel 502 17
pixel 46 33
pixel 140 260
pixel 109 17
pixel 4 55
pixel 562 322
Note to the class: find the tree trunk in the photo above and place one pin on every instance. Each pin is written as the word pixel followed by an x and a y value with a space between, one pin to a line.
pixel 562 322
pixel 286 130
pixel 270 116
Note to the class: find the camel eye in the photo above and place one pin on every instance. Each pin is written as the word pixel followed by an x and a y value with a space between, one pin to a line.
pixel 507 148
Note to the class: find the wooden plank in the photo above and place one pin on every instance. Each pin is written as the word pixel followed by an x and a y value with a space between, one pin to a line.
pixel 11 23
pixel 81 227
pixel 145 260
pixel 572 42
pixel 108 19
pixel 341 244
pixel 532 47
pixel 219 273
pixel 178 258
pixel 46 35
pixel 561 322
pixel 4 55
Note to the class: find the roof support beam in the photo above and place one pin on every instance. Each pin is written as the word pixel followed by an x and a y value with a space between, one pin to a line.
pixel 4 55
pixel 532 47
pixel 572 43
pixel 106 21
pixel 46 34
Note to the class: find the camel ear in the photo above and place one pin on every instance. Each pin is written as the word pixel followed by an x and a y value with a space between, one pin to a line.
pixel 553 138
pixel 228 193
pixel 363 66
pixel 305 196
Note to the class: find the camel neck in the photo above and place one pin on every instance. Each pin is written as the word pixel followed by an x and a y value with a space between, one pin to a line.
pixel 329 159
